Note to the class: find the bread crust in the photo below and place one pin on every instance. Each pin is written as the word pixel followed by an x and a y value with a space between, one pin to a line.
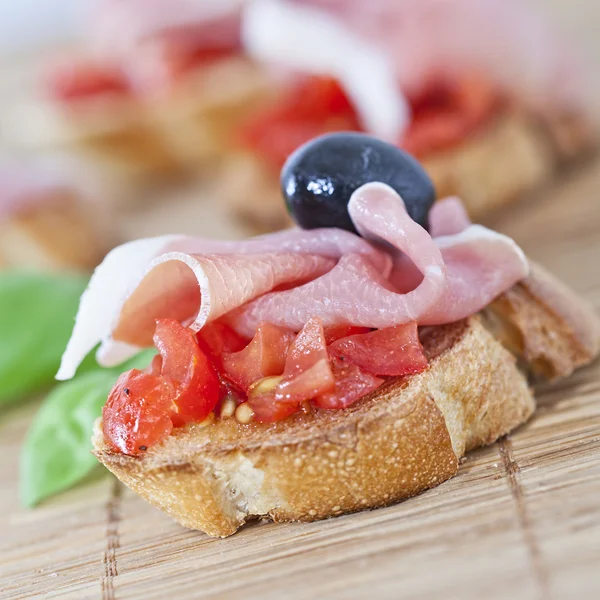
pixel 406 437
pixel 516 153
pixel 545 324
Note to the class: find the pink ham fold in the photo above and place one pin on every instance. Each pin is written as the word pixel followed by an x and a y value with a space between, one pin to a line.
pixel 396 273
pixel 459 274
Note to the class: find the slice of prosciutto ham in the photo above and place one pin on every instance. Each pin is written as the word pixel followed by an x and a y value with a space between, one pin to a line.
pixel 396 273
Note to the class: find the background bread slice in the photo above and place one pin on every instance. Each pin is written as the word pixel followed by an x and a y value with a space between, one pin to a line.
pixel 513 155
pixel 406 437
pixel 60 232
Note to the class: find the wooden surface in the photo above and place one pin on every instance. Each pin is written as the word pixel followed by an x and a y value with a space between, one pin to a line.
pixel 521 520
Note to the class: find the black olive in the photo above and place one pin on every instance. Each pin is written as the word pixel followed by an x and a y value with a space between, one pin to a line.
pixel 319 177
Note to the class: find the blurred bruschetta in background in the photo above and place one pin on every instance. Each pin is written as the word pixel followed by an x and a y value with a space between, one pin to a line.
pixel 481 91
pixel 153 90
pixel 46 222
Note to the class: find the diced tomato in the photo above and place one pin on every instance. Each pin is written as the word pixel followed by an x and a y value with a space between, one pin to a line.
pixel 336 332
pixel 264 356
pixel 184 362
pixel 269 410
pixel 307 371
pixel 391 351
pixel 136 414
pixel 217 338
pixel 315 106
pixel 308 384
pixel 351 384
pixel 155 367
pixel 82 80
pixel 308 348
pixel 319 96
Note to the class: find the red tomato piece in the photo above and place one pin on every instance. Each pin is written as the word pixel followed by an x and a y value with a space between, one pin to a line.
pixel 269 410
pixel 308 348
pixel 184 362
pixel 310 383
pixel 79 81
pixel 136 414
pixel 391 351
pixel 336 332
pixel 317 97
pixel 155 367
pixel 446 114
pixel 307 371
pixel 264 356
pixel 351 384
pixel 217 338
pixel 315 106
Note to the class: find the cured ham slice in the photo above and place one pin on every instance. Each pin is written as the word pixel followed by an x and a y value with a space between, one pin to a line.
pixel 505 39
pixel 198 289
pixel 447 217
pixel 123 270
pixel 395 274
pixel 310 40
pixel 165 277
pixel 459 274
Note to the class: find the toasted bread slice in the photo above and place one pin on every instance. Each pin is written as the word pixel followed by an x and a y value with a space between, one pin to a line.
pixel 58 233
pixel 406 437
pixel 165 135
pixel 200 117
pixel 515 154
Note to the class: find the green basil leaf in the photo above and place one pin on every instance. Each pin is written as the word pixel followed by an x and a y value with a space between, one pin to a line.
pixel 57 451
pixel 36 318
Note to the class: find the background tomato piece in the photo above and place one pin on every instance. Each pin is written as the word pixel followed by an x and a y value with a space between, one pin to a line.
pixel 197 383
pixel 351 384
pixel 80 80
pixel 264 356
pixel 391 351
pixel 316 105
pixel 449 112
pixel 136 414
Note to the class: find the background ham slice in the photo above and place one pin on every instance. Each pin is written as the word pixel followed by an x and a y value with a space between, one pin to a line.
pixel 506 40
